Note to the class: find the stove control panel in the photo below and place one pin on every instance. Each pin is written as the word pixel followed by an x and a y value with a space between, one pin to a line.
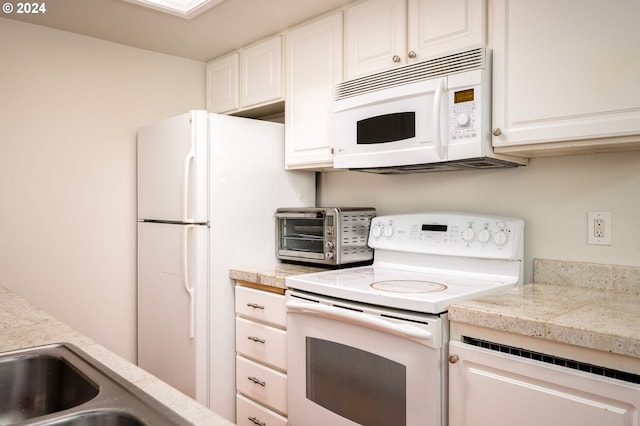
pixel 450 234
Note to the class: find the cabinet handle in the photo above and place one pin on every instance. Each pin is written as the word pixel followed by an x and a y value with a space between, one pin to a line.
pixel 412 54
pixel 497 131
pixel 255 306
pixel 257 381
pixel 256 339
pixel 255 420
pixel 453 359
pixel 396 58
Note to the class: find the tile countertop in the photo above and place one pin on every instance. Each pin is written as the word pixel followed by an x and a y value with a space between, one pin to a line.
pixel 588 305
pixel 23 325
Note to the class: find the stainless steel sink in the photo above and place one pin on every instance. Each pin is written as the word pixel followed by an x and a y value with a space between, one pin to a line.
pixel 61 385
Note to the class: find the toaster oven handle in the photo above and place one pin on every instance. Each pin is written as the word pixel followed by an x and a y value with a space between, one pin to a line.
pixel 437 120
pixel 293 215
pixel 406 331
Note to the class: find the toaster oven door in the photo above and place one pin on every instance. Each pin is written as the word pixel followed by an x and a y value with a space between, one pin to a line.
pixel 301 236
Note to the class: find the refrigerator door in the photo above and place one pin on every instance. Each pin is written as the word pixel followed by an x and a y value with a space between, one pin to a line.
pixel 172 305
pixel 172 169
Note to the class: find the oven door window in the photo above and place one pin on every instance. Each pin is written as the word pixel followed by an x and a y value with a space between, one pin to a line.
pixel 358 385
pixel 302 237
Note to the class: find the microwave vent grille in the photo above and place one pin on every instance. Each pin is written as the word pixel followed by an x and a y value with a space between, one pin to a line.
pixel 451 64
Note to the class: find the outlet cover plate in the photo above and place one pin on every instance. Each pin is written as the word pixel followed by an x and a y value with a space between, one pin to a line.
pixel 599 233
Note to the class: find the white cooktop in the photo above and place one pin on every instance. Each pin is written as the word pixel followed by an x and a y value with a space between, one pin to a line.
pixel 424 262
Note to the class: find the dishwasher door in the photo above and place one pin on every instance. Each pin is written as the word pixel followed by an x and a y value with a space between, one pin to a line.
pixel 488 387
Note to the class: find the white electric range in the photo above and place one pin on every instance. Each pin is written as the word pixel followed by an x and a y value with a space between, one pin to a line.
pixel 347 326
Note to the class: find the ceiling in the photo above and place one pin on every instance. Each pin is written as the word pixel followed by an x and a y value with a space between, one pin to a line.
pixel 227 26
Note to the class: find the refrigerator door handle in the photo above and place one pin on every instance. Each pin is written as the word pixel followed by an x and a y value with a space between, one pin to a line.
pixel 188 160
pixel 185 278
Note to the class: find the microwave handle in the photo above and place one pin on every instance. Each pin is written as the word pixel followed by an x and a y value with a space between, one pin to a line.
pixel 437 120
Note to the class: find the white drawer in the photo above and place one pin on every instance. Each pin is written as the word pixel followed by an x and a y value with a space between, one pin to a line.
pixel 249 413
pixel 262 384
pixel 262 343
pixel 261 305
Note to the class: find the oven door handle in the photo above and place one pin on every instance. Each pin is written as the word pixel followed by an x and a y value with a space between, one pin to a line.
pixel 406 331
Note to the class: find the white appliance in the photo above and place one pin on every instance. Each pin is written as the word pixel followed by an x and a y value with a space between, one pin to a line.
pixel 368 345
pixel 208 186
pixel 430 116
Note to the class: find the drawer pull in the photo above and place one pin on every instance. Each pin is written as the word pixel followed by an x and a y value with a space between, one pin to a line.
pixel 255 420
pixel 257 381
pixel 256 339
pixel 255 306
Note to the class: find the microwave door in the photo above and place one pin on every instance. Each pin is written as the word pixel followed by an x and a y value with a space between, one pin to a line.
pixel 398 126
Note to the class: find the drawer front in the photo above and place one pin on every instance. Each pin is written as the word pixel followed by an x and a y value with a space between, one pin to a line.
pixel 262 384
pixel 262 343
pixel 250 413
pixel 261 305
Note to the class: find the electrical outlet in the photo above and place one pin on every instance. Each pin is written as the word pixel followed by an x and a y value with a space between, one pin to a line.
pixel 599 228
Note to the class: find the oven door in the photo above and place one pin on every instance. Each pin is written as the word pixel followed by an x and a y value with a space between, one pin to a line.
pixel 301 236
pixel 347 367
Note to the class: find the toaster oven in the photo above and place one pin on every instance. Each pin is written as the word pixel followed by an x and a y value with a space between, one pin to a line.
pixel 331 236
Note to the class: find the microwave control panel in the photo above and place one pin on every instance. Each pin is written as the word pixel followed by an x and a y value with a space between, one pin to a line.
pixel 464 113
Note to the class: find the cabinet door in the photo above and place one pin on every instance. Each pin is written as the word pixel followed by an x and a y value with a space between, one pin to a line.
pixel 563 72
pixel 492 388
pixel 439 27
pixel 313 66
pixel 375 36
pixel 222 84
pixel 261 72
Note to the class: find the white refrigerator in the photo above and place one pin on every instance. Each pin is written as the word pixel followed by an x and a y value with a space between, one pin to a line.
pixel 208 187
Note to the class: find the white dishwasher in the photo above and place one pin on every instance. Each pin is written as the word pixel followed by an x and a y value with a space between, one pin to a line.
pixel 498 385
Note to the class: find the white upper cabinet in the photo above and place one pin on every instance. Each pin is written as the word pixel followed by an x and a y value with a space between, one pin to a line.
pixel 261 72
pixel 565 76
pixel 381 34
pixel 313 58
pixel 222 84
pixel 246 79
pixel 375 36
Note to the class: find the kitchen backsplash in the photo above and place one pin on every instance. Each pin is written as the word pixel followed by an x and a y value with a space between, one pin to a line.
pixel 588 275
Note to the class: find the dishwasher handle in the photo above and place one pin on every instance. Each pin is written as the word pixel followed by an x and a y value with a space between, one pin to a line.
pixel 407 331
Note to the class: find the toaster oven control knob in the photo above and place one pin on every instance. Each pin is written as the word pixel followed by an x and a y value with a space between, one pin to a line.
pixel 330 255
pixel 388 231
pixel 468 234
pixel 484 235
pixel 376 230
pixel 330 245
pixel 500 238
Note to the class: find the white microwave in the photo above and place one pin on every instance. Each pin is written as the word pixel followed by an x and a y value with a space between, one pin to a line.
pixel 430 116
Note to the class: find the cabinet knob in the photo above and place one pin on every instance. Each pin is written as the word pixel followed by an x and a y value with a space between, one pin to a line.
pixel 412 54
pixel 453 359
pixel 497 131
pixel 396 58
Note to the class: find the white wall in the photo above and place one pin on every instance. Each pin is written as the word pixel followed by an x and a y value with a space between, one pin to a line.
pixel 69 109
pixel 552 195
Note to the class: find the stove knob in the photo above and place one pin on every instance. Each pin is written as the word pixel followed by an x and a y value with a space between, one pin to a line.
pixel 484 235
pixel 388 231
pixel 500 238
pixel 376 230
pixel 468 234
